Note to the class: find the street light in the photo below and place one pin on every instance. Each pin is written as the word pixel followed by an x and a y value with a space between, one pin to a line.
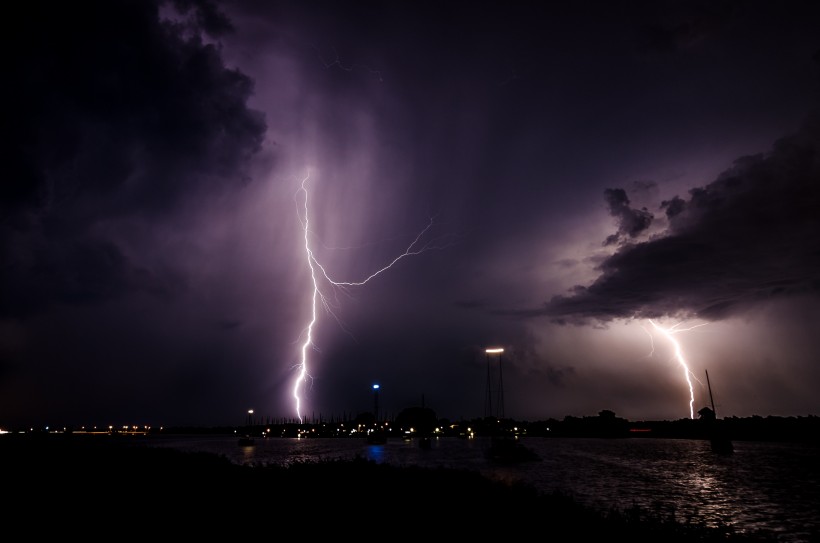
pixel 376 402
pixel 488 402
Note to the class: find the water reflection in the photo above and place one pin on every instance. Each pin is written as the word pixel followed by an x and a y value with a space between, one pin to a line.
pixel 248 453
pixel 375 453
pixel 763 485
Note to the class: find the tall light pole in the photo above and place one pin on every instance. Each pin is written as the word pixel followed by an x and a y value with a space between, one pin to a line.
pixel 488 394
pixel 488 402
pixel 376 402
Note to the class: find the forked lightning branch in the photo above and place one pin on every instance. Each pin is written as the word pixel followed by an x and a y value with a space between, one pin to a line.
pixel 320 277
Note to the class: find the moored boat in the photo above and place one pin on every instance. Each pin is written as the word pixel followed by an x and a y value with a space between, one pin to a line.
pixel 377 436
pixel 509 449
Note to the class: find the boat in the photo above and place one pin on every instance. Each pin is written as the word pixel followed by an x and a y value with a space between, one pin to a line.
pixel 722 445
pixel 718 440
pixel 246 441
pixel 376 436
pixel 510 450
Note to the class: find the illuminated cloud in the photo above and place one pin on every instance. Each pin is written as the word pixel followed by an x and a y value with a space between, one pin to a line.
pixel 747 238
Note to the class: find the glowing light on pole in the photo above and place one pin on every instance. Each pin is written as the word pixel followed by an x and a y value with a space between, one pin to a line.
pixel 488 402
pixel 318 272
pixel 679 356
pixel 376 403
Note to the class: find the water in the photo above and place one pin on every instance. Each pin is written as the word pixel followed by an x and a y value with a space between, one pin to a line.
pixel 763 486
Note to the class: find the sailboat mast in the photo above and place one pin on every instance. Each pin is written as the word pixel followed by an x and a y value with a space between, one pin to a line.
pixel 711 400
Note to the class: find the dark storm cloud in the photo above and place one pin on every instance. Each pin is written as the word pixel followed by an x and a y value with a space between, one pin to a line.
pixel 750 236
pixel 681 25
pixel 205 16
pixel 111 113
pixel 631 222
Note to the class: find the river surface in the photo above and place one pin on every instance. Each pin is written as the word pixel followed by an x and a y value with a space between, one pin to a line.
pixel 762 486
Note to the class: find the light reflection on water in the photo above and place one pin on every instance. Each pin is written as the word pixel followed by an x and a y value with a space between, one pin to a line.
pixel 770 486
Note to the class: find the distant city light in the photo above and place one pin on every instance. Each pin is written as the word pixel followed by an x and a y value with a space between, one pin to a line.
pixel 494 350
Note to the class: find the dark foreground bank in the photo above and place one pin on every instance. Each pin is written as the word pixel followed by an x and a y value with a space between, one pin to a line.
pixel 101 486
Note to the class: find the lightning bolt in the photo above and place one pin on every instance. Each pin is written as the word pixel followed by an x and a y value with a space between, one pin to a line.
pixel 338 63
pixel 318 273
pixel 668 333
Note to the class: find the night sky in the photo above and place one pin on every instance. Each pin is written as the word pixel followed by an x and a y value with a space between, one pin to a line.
pixel 571 169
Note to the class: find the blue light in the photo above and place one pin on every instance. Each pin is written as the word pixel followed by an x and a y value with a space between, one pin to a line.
pixel 375 387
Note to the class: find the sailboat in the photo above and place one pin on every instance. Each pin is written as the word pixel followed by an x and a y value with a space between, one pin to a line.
pixel 246 441
pixel 721 444
pixel 507 449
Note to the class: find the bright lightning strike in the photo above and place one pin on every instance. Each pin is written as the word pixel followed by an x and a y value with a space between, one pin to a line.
pixel 317 271
pixel 679 356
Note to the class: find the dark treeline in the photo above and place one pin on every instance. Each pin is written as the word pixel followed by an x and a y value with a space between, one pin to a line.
pixel 756 428
pixel 423 421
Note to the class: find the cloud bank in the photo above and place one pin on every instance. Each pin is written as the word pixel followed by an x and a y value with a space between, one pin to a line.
pixel 750 236
pixel 118 115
